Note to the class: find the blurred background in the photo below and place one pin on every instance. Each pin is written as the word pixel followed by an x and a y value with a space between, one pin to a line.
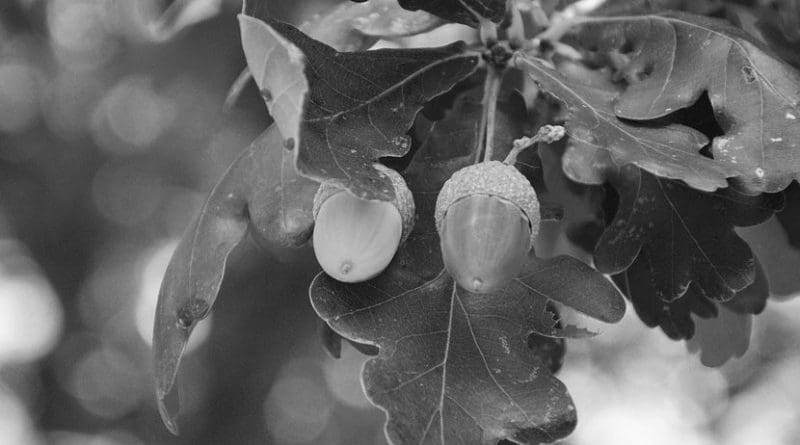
pixel 111 133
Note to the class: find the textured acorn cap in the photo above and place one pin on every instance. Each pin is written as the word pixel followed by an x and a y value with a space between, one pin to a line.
pixel 492 178
pixel 403 198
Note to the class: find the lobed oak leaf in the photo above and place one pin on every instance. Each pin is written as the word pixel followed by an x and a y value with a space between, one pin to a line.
pixel 359 105
pixel 670 59
pixel 679 318
pixel 670 151
pixel 668 236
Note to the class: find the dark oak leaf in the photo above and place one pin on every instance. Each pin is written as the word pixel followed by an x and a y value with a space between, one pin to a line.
pixel 260 191
pixel 670 59
pixel 669 236
pixel 670 151
pixel 673 317
pixel 453 366
pixel 678 318
pixel 727 335
pixel 359 105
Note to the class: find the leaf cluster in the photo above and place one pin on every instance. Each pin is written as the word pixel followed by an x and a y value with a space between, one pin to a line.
pixel 682 127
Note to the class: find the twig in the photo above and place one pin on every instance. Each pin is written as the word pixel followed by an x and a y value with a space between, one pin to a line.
pixel 491 90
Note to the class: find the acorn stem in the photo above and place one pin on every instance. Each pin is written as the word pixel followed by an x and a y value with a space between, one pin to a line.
pixel 491 90
pixel 547 134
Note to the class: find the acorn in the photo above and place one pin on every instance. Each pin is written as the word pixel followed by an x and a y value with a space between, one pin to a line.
pixel 487 216
pixel 355 239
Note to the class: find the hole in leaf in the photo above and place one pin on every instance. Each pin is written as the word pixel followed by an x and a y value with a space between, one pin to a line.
pixel 749 74
pixel 701 117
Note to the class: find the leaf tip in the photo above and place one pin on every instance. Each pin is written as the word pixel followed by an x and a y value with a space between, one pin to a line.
pixel 168 409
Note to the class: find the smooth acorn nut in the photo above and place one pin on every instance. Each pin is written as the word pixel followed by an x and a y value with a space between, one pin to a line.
pixel 355 239
pixel 487 216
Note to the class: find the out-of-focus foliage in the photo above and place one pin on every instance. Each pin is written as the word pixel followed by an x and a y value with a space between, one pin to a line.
pixel 110 137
